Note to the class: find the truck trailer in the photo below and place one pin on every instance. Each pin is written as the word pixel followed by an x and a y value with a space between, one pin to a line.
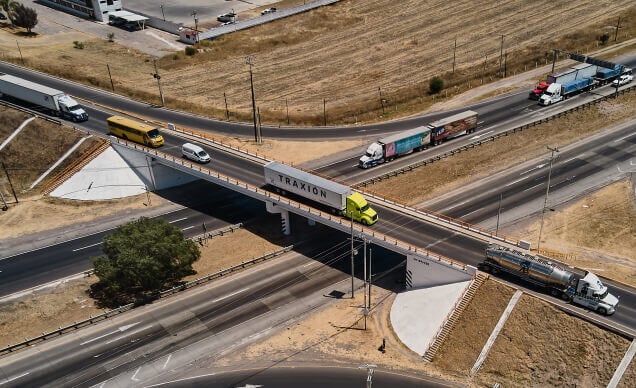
pixel 558 92
pixel 605 75
pixel 338 198
pixel 416 139
pixel 54 101
pixel 587 291
pixel 391 147
pixel 453 126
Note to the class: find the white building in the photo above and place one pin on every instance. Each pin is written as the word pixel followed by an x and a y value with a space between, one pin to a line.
pixel 93 9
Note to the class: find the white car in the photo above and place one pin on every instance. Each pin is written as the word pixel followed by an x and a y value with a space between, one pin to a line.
pixel 623 80
pixel 268 11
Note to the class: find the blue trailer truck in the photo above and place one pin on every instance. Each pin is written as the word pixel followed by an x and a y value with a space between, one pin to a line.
pixel 605 75
pixel 558 92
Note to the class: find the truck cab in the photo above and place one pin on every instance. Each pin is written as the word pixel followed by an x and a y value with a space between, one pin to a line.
pixel 358 208
pixel 373 156
pixel 69 108
pixel 536 93
pixel 590 292
pixel 551 95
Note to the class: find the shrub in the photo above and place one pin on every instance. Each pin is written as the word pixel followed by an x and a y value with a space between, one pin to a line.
pixel 436 85
pixel 78 44
pixel 189 50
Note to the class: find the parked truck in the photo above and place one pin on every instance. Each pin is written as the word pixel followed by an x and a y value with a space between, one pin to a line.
pixel 559 92
pixel 336 197
pixel 606 75
pixel 391 147
pixel 55 102
pixel 416 139
pixel 583 70
pixel 587 291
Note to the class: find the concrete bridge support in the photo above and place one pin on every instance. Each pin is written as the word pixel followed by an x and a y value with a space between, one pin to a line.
pixel 284 216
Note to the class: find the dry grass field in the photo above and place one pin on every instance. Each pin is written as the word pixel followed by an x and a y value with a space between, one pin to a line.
pixel 347 56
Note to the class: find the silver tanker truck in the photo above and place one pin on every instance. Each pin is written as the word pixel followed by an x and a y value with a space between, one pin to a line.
pixel 587 291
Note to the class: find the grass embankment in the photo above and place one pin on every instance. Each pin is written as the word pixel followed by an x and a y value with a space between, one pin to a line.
pixel 344 63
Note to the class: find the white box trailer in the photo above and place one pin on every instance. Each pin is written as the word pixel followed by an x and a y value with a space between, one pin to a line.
pixel 56 102
pixel 329 193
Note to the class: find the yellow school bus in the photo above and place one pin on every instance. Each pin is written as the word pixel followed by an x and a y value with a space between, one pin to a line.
pixel 135 131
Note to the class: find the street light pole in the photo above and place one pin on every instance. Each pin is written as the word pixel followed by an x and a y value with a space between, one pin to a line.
pixel 196 24
pixel 498 214
pixel 547 191
pixel 248 60
pixel 162 13
pixel 352 268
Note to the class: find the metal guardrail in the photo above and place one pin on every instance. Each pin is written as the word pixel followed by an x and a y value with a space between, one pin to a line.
pixel 31 112
pixel 224 272
pixel 488 139
pixel 130 306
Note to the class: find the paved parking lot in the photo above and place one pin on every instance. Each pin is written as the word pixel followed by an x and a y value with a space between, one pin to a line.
pixel 180 11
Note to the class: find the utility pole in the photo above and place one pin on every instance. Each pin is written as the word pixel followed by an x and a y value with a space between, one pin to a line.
pixel 370 257
pixel 547 191
pixel 158 78
pixel 554 58
pixel 454 50
pixel 248 60
pixel 162 14
pixel 501 55
pixel 196 24
pixel 618 25
pixel 364 276
pixel 498 214
pixel 4 166
pixel 352 268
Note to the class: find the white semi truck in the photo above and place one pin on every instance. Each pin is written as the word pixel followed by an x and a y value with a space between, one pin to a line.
pixel 587 291
pixel 339 198
pixel 55 102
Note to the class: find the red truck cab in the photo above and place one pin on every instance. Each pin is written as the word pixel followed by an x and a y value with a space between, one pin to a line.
pixel 539 90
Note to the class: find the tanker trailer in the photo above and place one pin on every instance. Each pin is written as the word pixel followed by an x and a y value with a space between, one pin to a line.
pixel 587 291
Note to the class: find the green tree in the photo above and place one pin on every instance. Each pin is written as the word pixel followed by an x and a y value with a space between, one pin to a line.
pixel 141 258
pixel 8 6
pixel 24 17
pixel 435 85
pixel 603 38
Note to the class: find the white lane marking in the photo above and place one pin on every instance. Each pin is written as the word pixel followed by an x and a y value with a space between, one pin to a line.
pixel 569 160
pixel 308 265
pixel 180 219
pixel 530 188
pixel 474 211
pixel 119 330
pixel 517 181
pixel 86 247
pixel 480 135
pixel 624 137
pixel 533 168
pixel 133 378
pixel 451 207
pixel 230 295
pixel 167 361
pixel 129 334
pixel 14 378
pixel 189 227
